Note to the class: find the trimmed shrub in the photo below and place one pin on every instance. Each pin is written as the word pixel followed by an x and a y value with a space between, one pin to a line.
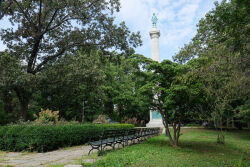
pixel 48 137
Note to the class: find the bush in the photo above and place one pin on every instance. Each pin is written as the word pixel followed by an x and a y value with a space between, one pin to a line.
pixel 47 116
pixel 101 119
pixel 48 137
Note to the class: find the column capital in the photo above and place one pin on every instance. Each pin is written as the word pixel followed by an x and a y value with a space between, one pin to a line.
pixel 154 33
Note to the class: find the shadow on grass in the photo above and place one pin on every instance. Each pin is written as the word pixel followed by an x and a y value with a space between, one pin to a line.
pixel 203 147
pixel 194 145
pixel 240 134
pixel 199 147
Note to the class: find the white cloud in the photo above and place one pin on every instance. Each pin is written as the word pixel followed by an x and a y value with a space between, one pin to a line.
pixel 163 3
pixel 177 21
pixel 178 3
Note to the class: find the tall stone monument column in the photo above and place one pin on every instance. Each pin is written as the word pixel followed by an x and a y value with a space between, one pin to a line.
pixel 155 116
pixel 154 35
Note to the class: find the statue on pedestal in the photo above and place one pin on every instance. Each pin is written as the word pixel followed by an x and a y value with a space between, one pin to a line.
pixel 154 20
pixel 155 116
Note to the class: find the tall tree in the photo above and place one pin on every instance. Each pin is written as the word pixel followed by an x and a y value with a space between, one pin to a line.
pixel 222 42
pixel 175 95
pixel 44 31
pixel 222 45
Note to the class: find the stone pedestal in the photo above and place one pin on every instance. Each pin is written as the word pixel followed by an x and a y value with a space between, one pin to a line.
pixel 155 120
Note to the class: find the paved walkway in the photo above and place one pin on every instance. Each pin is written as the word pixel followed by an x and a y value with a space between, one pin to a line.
pixel 62 156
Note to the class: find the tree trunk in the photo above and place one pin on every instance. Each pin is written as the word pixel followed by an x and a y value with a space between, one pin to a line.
pixel 165 123
pixel 109 107
pixel 233 126
pixel 176 128
pixel 24 98
pixel 178 134
pixel 24 109
pixel 7 99
pixel 173 141
pixel 83 111
pixel 175 134
pixel 227 123
pixel 221 124
pixel 220 137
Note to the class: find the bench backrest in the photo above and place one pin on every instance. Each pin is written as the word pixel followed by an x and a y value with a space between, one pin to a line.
pixel 113 134
pixel 108 134
pixel 131 132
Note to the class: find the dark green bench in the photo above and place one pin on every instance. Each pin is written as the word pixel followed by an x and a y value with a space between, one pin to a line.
pixel 110 138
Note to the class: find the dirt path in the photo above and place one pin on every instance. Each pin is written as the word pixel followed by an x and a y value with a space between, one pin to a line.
pixel 62 156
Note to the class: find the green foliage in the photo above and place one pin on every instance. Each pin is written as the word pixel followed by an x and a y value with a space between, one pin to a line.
pixel 243 112
pixel 219 59
pixel 49 30
pixel 9 76
pixel 48 137
pixel 88 85
pixel 227 24
pixel 176 95
pixel 71 81
pixel 76 72
pixel 121 89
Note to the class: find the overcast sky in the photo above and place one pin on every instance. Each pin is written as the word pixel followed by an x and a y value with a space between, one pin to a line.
pixel 177 21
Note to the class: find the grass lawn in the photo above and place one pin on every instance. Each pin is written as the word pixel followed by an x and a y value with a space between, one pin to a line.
pixel 198 148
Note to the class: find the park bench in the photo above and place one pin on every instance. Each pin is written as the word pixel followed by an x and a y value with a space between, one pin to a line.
pixel 123 137
pixel 106 139
pixel 131 136
pixel 145 133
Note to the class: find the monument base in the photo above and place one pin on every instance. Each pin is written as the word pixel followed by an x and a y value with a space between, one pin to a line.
pixel 155 120
pixel 156 123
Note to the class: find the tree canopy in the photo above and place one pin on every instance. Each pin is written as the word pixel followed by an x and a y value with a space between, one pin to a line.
pixel 221 51
pixel 45 31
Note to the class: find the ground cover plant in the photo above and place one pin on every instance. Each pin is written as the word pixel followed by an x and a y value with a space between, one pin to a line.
pixel 50 137
pixel 198 147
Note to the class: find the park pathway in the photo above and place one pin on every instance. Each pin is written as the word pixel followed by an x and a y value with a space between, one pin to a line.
pixel 62 156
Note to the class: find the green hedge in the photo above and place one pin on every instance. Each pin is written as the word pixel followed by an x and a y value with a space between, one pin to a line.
pixel 47 137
